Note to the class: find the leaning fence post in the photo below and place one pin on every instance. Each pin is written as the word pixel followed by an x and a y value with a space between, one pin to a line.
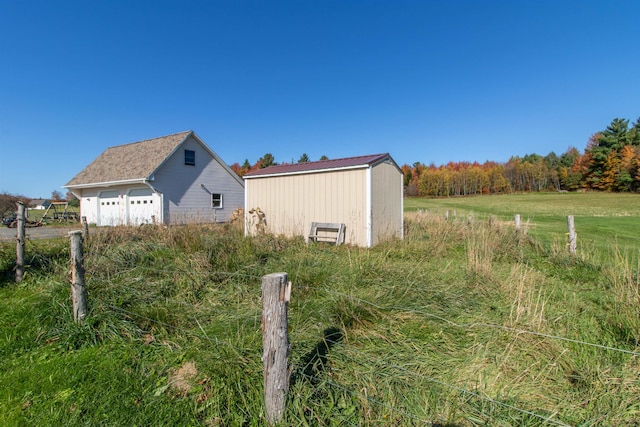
pixel 78 290
pixel 20 241
pixel 276 292
pixel 85 228
pixel 572 237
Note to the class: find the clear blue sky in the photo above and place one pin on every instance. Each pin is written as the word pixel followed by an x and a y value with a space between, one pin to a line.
pixel 427 81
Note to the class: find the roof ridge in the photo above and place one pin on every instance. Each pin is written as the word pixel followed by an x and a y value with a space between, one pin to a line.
pixel 306 167
pixel 151 139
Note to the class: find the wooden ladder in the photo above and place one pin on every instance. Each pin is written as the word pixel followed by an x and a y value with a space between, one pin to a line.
pixel 332 232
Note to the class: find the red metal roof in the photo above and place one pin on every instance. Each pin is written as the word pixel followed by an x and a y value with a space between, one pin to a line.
pixel 348 162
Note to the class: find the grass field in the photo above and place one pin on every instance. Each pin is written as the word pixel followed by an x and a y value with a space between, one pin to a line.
pixel 460 324
pixel 601 219
pixel 59 216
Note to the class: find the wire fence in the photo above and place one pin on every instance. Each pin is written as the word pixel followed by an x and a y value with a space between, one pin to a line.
pixel 200 320
pixel 350 352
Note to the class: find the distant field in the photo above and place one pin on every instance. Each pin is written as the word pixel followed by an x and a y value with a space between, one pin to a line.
pixel 601 219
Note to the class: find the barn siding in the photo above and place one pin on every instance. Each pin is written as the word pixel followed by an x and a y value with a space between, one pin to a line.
pixel 292 202
pixel 187 189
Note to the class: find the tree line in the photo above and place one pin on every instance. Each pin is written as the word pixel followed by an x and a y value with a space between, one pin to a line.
pixel 610 162
pixel 266 161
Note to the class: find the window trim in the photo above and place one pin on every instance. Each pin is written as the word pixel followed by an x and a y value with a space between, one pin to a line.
pixel 217 199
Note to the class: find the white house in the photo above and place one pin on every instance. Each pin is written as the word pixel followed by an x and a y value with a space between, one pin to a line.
pixel 39 204
pixel 363 194
pixel 173 179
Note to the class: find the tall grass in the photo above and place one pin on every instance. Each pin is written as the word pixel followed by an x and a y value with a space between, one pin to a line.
pixel 461 323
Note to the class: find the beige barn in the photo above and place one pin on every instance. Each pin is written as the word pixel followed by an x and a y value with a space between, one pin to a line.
pixel 364 194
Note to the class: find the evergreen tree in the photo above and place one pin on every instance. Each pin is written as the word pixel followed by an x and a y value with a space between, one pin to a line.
pixel 304 158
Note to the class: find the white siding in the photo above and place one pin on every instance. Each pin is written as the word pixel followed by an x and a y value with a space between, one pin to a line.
pixel 89 205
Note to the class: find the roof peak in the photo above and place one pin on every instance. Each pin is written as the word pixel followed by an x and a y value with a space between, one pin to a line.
pixel 185 133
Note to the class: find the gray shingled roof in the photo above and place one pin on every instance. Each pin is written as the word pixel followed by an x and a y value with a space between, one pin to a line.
pixel 349 162
pixel 137 160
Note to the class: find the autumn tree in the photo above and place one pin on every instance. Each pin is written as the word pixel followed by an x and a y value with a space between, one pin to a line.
pixel 613 157
pixel 57 196
pixel 8 203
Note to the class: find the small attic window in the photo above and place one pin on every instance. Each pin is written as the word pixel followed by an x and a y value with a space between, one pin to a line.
pixel 189 157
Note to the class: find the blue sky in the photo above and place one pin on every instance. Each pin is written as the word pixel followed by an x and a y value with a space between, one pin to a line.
pixel 427 81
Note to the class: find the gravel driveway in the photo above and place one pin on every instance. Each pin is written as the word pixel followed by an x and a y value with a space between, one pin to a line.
pixel 9 234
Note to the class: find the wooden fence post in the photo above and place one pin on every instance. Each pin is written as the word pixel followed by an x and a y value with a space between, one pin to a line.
pixel 276 292
pixel 20 241
pixel 517 222
pixel 85 228
pixel 572 237
pixel 78 290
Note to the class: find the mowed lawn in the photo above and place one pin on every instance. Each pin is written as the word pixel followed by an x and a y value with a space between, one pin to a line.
pixel 602 220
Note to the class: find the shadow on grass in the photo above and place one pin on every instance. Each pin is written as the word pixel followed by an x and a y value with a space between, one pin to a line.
pixel 7 276
pixel 39 263
pixel 314 362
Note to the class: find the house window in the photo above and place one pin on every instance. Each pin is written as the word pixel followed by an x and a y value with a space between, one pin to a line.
pixel 189 157
pixel 216 201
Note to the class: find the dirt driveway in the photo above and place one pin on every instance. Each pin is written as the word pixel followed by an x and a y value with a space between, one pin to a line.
pixel 9 234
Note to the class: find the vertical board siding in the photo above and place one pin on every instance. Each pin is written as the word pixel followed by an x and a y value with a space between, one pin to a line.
pixel 292 202
pixel 386 202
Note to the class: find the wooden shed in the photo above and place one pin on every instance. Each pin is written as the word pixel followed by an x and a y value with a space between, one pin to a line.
pixel 363 194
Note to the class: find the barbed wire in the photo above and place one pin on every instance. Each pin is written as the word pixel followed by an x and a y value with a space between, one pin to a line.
pixel 389 308
pixel 486 325
pixel 219 342
pixel 196 276
pixel 188 332
pixel 462 390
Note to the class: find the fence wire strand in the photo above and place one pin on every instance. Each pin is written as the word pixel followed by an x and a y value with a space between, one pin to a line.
pixel 481 324
pixel 359 355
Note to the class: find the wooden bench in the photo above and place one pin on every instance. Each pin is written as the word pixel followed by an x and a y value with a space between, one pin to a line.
pixel 332 232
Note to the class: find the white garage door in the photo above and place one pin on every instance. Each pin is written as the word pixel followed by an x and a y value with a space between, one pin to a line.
pixel 109 208
pixel 140 206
